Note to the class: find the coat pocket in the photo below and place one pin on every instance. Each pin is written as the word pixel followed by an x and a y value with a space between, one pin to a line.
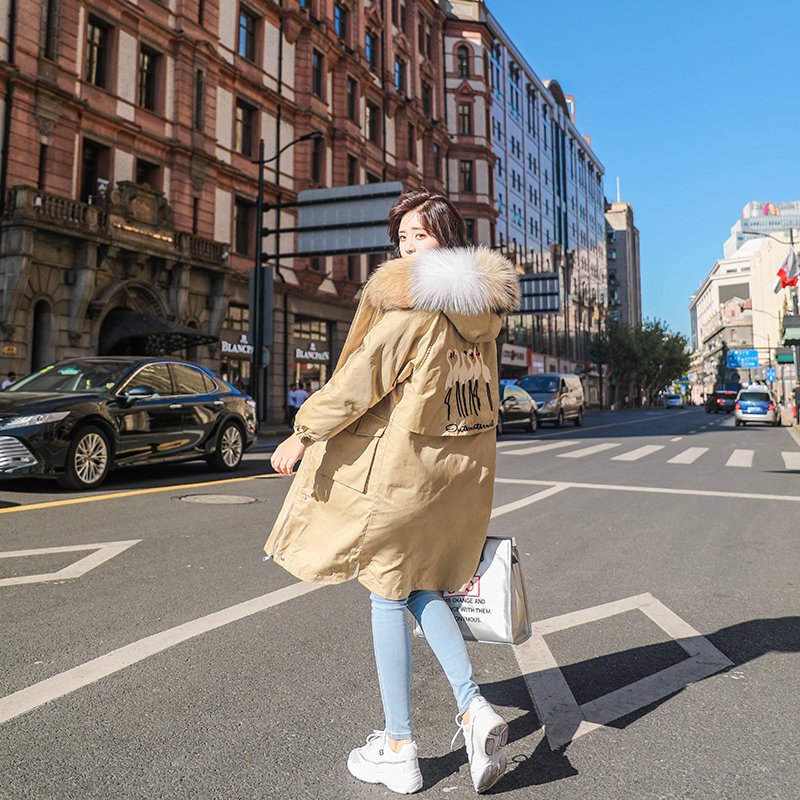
pixel 349 456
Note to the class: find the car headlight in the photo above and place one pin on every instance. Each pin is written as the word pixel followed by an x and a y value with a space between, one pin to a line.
pixel 552 402
pixel 30 420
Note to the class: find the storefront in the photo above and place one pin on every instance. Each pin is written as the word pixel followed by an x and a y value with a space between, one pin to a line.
pixel 515 361
pixel 312 352
pixel 235 348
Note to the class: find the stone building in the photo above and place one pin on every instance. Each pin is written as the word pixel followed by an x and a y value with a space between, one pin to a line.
pixel 128 177
pixel 624 268
pixel 528 182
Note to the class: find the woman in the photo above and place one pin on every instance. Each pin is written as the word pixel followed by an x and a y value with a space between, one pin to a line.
pixel 396 486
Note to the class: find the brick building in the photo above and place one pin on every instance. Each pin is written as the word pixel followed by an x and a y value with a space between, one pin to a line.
pixel 128 179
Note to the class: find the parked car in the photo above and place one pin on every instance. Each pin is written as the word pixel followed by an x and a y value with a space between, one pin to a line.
pixel 756 404
pixel 76 420
pixel 517 408
pixel 673 401
pixel 558 397
pixel 721 400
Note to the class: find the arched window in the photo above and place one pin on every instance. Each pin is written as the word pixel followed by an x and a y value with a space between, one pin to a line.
pixel 462 55
pixel 41 354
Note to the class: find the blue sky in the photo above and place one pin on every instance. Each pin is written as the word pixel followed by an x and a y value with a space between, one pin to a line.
pixel 695 106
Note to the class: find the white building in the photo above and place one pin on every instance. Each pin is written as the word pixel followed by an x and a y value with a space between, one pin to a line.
pixel 778 219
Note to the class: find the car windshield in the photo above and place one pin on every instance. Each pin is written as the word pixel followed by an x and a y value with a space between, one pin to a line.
pixel 539 384
pixel 76 376
pixel 759 397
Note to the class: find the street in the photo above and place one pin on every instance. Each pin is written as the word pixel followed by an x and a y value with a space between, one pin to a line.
pixel 148 651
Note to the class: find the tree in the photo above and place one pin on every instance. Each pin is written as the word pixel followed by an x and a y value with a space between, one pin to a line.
pixel 649 354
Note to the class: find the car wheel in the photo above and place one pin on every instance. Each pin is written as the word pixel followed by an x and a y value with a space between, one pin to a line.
pixel 532 423
pixel 88 459
pixel 501 428
pixel 737 422
pixel 229 450
pixel 579 419
pixel 708 410
pixel 777 422
pixel 560 418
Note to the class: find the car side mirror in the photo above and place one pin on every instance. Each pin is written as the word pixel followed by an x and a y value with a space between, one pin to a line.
pixel 130 397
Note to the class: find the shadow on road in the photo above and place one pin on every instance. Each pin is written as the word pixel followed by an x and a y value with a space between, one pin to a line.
pixel 595 677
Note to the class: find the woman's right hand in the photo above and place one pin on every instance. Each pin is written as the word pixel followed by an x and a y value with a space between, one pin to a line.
pixel 287 454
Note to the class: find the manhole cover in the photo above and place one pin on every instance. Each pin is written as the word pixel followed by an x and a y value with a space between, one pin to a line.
pixel 218 499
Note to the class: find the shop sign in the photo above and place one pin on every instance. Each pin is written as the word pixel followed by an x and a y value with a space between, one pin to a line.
pixel 242 347
pixel 311 353
pixel 514 356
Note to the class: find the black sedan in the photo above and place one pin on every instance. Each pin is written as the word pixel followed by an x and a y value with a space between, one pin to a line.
pixel 517 408
pixel 77 419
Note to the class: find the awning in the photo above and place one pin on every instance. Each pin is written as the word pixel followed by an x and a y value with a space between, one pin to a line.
pixel 791 329
pixel 132 333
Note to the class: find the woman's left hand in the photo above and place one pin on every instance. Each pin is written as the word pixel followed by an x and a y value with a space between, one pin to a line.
pixel 287 454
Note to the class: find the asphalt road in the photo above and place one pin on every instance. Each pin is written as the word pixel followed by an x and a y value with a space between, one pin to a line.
pixel 165 659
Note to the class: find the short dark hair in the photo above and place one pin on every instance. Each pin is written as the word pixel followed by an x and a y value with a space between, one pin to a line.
pixel 438 215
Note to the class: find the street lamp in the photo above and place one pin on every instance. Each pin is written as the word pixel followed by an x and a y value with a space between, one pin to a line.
pixel 261 290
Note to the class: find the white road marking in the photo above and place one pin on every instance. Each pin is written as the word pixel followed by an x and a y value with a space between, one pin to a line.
pixel 691 432
pixel 612 487
pixel 515 442
pixel 740 458
pixel 589 451
pixel 45 691
pixel 103 552
pixel 540 448
pixel 563 719
pixel 688 456
pixel 640 452
pixel 526 501
pixel 791 460
pixel 676 439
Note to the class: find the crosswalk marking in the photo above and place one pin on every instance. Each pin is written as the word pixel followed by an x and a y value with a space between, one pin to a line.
pixel 740 458
pixel 688 456
pixel 589 451
pixel 791 460
pixel 540 448
pixel 640 452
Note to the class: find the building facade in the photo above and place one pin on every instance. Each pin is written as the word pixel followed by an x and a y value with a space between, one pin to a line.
pixel 735 308
pixel 777 219
pixel 528 183
pixel 624 268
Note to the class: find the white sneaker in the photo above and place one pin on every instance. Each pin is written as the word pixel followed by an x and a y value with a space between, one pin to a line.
pixel 485 735
pixel 376 762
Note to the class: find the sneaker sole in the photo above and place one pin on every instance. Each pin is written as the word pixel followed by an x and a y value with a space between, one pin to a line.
pixel 492 773
pixel 369 773
pixel 495 739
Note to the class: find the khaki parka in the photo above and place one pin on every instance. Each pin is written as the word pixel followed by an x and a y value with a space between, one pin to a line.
pixel 396 486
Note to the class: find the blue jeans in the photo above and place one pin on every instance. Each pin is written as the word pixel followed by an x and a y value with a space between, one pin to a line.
pixel 393 654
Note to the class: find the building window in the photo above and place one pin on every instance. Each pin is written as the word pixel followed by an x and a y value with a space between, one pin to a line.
pixel 242 213
pixel 352 99
pixel 148 173
pixel 95 171
pixel 412 143
pixel 96 52
pixel 465 119
pixel 372 178
pixel 316 73
pixel 373 122
pixel 437 162
pixel 427 105
pixel 51 26
pixel 399 75
pixel 199 100
pixel 403 19
pixel 148 60
pixel 243 134
pixel 372 51
pixel 340 21
pixel 462 57
pixel 247 35
pixel 352 170
pixel 354 269
pixel 317 160
pixel 470 228
pixel 612 255
pixel 467 182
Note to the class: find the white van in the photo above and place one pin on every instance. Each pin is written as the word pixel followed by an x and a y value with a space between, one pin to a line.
pixel 558 396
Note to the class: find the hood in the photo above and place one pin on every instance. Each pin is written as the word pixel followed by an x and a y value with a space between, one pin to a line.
pixel 471 286
pixel 40 402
